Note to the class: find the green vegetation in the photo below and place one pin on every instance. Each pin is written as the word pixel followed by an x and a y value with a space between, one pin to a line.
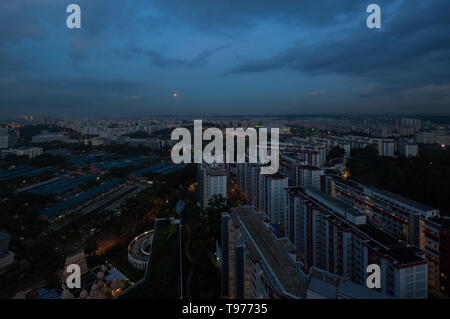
pixel 138 134
pixel 201 276
pixel 44 160
pixel 46 259
pixel 28 131
pixel 199 233
pixel 117 257
pixel 41 263
pixel 163 280
pixel 19 212
pixel 423 178
pixel 336 152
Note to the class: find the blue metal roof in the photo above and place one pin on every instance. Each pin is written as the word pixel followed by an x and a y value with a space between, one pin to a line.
pixel 84 159
pixel 47 294
pixel 169 169
pixel 14 171
pixel 62 186
pixel 149 169
pixel 80 198
pixel 129 161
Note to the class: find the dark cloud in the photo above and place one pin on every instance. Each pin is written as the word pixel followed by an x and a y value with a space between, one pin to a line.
pixel 10 63
pixel 159 60
pixel 207 15
pixel 19 20
pixel 83 83
pixel 412 49
pixel 406 62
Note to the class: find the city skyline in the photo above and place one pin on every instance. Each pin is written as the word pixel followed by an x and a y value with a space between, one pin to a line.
pixel 358 208
pixel 227 58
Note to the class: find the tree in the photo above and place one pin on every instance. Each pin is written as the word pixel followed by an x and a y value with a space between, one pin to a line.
pixel 216 205
pixel 370 150
pixel 423 178
pixel 138 134
pixel 90 246
pixel 336 152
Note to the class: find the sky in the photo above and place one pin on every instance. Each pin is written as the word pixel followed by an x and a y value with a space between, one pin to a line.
pixel 223 57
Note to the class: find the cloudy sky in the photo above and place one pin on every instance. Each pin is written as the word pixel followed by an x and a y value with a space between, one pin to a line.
pixel 224 57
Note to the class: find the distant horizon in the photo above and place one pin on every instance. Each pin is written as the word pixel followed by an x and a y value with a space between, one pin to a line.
pixel 426 117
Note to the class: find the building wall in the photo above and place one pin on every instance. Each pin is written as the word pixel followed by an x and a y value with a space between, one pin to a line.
pixel 326 242
pixel 275 198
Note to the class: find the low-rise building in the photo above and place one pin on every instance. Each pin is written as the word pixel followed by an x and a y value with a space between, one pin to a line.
pixel 212 180
pixel 31 152
pixel 47 136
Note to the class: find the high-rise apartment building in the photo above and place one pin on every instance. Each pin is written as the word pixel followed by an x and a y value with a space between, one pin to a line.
pixel 274 197
pixel 392 213
pixel 212 180
pixel 256 264
pixel 398 216
pixel 309 176
pixel 331 235
pixel 435 241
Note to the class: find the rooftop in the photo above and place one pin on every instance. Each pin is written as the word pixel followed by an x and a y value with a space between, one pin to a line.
pixel 385 193
pixel 377 239
pixel 379 236
pixel 403 199
pixel 333 286
pixel 277 175
pixel 273 251
pixel 333 202
pixel 399 251
pixel 215 170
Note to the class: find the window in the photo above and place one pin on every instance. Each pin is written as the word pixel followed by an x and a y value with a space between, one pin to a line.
pixel 420 285
pixel 420 277
pixel 420 268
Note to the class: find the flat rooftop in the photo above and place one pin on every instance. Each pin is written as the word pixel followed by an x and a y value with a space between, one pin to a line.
pixel 273 251
pixel 402 253
pixel 350 183
pixel 407 255
pixel 403 199
pixel 376 238
pixel 327 200
pixel 215 170
pixel 385 193
pixel 333 286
